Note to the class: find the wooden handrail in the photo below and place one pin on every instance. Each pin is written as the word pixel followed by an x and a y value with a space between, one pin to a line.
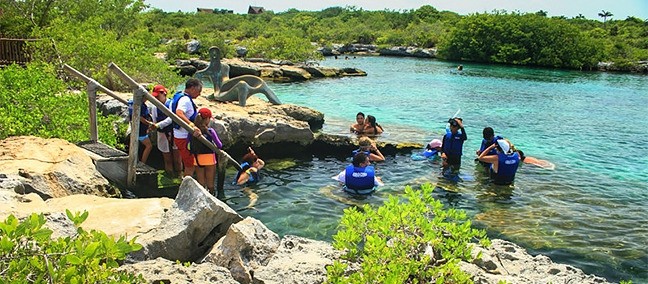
pixel 89 80
pixel 113 67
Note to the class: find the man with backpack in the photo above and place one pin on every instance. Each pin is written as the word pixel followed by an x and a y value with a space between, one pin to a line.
pixel 184 106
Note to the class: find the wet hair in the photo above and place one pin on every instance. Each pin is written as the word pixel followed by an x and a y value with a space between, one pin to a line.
pixel 360 113
pixel 488 133
pixel 250 158
pixel 522 156
pixel 364 141
pixel 359 159
pixel 193 82
pixel 372 121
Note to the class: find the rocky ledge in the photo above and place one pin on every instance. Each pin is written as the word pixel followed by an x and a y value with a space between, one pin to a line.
pixel 224 247
pixel 275 70
pixel 274 130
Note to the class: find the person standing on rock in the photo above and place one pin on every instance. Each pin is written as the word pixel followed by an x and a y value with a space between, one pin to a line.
pixel 184 106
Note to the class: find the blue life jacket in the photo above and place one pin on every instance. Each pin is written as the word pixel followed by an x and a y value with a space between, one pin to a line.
pixel 144 112
pixel 430 153
pixel 162 116
pixel 174 107
pixel 507 166
pixel 355 152
pixel 485 144
pixel 452 144
pixel 254 176
pixel 359 180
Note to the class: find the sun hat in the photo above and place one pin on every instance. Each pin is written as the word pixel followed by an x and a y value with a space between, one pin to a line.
pixel 504 145
pixel 205 113
pixel 434 143
pixel 159 89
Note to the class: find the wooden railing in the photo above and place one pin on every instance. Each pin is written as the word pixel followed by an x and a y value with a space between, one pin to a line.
pixel 14 51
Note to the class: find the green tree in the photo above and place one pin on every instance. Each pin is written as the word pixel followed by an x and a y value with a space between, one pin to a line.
pixel 605 14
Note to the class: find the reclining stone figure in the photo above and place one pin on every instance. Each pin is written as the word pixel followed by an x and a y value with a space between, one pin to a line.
pixel 235 89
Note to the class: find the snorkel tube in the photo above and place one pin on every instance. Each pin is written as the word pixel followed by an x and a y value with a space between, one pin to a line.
pixel 448 125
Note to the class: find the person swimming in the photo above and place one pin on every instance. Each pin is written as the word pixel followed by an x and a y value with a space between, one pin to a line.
pixel 504 164
pixel 535 161
pixel 368 147
pixel 359 177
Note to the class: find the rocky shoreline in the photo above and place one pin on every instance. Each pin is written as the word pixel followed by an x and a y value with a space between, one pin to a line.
pixel 221 245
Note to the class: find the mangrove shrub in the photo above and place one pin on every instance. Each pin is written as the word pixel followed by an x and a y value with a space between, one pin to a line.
pixel 404 241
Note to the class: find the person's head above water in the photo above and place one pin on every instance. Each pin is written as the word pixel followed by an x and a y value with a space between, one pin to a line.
pixel 488 133
pixel 364 143
pixel 361 159
pixel 504 146
pixel 371 120
pixel 434 144
pixel 360 118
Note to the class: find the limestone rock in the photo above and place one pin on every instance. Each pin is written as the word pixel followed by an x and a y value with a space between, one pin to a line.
pixel 249 244
pixel 52 167
pixel 161 270
pixel 511 263
pixel 296 73
pixel 192 225
pixel 298 260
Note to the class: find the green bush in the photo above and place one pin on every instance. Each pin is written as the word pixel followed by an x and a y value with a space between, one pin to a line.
pixel 36 103
pixel 28 254
pixel 404 241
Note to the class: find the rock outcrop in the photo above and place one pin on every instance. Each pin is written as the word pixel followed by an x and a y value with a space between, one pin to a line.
pixel 190 228
pixel 506 261
pixel 275 70
pixel 408 51
pixel 162 270
pixel 51 167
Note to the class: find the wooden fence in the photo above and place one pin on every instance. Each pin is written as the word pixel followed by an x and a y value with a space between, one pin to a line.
pixel 14 51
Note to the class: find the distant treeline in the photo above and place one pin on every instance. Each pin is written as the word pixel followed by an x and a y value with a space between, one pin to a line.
pixel 89 33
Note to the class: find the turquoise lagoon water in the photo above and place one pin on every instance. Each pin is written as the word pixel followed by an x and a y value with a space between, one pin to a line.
pixel 590 212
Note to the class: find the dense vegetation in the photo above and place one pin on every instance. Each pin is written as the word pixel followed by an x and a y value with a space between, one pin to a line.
pixel 413 240
pixel 35 103
pixel 28 254
pixel 126 32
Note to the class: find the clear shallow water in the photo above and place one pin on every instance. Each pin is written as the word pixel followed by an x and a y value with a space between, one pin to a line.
pixel 590 212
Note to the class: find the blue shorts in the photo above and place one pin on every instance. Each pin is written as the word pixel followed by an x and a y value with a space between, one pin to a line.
pixel 142 138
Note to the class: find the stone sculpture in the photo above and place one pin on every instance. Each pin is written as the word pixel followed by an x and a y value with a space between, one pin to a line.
pixel 235 89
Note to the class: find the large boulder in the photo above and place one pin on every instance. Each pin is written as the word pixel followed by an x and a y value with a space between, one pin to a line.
pixel 298 260
pixel 162 270
pixel 192 225
pixel 51 167
pixel 506 261
pixel 261 122
pixel 248 245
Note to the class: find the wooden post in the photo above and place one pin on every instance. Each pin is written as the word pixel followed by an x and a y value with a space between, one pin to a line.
pixel 113 67
pixel 92 106
pixel 220 173
pixel 133 149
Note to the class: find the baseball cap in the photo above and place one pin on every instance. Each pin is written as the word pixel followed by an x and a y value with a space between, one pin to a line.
pixel 159 89
pixel 434 143
pixel 205 113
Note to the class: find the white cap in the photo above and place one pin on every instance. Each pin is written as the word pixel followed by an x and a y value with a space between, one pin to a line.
pixel 504 145
pixel 435 143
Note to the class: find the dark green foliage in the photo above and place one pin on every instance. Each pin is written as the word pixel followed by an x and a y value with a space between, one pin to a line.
pixel 35 102
pixel 404 241
pixel 526 39
pixel 28 254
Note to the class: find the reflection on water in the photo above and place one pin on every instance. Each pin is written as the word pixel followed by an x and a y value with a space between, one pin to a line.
pixel 589 212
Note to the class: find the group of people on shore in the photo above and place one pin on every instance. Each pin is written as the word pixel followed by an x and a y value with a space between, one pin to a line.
pixel 497 155
pixel 181 150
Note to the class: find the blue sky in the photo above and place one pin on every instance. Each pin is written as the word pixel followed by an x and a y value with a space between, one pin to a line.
pixel 570 8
